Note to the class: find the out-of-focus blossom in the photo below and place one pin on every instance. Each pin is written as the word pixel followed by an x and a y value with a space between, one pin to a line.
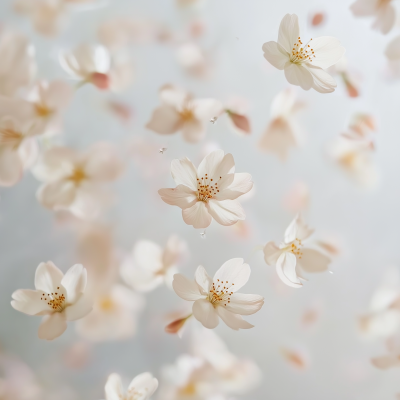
pixel 295 358
pixel 217 298
pixel 192 59
pixel 236 110
pixel 291 255
pixel 283 131
pixel 142 387
pixel 297 199
pixel 382 10
pixel 361 126
pixel 78 355
pixel 240 122
pixel 18 66
pixel 60 298
pixel 392 53
pixel 149 265
pixel 211 191
pixel 94 64
pixel 74 181
pixel 351 82
pixel 304 63
pixel 180 112
pixel 176 326
pixel 317 19
pixel 121 110
pixel 392 358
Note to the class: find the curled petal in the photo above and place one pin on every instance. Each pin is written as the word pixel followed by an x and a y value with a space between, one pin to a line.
pixel 181 196
pixel 289 32
pixel 234 321
pixel 74 281
pixel 322 81
pixel 203 280
pixel 286 270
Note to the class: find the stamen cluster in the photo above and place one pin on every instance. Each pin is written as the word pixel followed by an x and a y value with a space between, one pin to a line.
pixel 301 54
pixel 206 189
pixel 218 295
pixel 54 300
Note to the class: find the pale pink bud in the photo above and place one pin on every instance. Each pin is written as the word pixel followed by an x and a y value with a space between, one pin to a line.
pixel 101 81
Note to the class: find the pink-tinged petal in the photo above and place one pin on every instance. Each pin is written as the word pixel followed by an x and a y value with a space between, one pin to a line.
pixel 57 195
pixel 144 383
pixel 392 51
pixel 298 75
pixel 234 273
pixel 289 32
pixel 226 212
pixel 286 270
pixel 322 81
pixel 181 196
pixel 244 304
pixel 165 120
pixel 52 326
pixel 74 282
pixel 313 261
pixel 297 229
pixel 185 288
pixel 205 313
pixel 193 130
pixel 328 51
pixel 48 278
pixel 30 302
pixel 113 389
pixel 240 184
pixel 233 321
pixel 271 253
pixel 240 122
pixel 203 280
pixel 11 168
pixel 386 362
pixel 80 309
pixel 184 173
pixel 385 19
pixel 363 8
pixel 275 54
pixel 197 215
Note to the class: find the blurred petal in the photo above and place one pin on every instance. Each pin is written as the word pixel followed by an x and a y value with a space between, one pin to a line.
pixel 286 270
pixel 313 261
pixel 113 388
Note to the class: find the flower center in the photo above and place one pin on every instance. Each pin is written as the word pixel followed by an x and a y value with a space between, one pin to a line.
pixel 382 3
pixel 188 390
pixel 9 136
pixel 219 293
pixel 186 114
pixel 295 248
pixel 134 394
pixel 301 54
pixel 206 188
pixel 77 176
pixel 106 304
pixel 54 300
pixel 42 110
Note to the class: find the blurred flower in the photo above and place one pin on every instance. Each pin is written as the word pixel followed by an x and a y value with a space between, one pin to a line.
pixel 295 358
pixel 149 266
pixel 361 126
pixel 297 198
pixel 74 181
pixel 176 327
pixel 304 66
pixel 209 191
pixel 283 131
pixel 60 298
pixel 240 122
pixel 392 51
pixel 382 10
pixel 142 387
pixel 18 67
pixel 236 109
pixel 121 110
pixel 179 112
pixel 192 59
pixel 214 298
pixel 392 358
pixel 291 255
pixel 342 69
pixel 317 19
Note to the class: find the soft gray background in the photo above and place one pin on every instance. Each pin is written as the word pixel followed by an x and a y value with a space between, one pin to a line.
pixel 365 221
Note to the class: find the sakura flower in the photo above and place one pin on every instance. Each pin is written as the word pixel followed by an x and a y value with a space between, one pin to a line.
pixel 74 181
pixel 60 298
pixel 180 112
pixel 283 131
pixel 303 64
pixel 217 298
pixel 211 191
pixel 142 387
pixel 382 10
pixel 149 265
pixel 292 256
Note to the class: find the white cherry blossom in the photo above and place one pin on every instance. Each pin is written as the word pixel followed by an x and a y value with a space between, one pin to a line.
pixel 60 298
pixel 208 192
pixel 216 297
pixel 304 63
pixel 292 256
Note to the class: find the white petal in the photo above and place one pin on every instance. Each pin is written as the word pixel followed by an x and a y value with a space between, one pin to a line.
pixel 185 288
pixel 233 272
pixel 29 302
pixel 57 195
pixel 173 96
pixel 140 279
pixel 392 51
pixel 385 19
pixel 197 215
pixel 174 250
pixel 193 130
pixel 244 304
pixel 385 362
pixel 147 255
pixel 113 388
pixel 226 212
pixel 275 54
pixel 328 51
pixel 205 313
pixel 271 253
pixel 181 196
pixel 297 229
pixel 74 282
pixel 313 260
pixel 234 321
pixel 322 81
pixel 240 183
pixel 298 75
pixel 48 277
pixel 165 120
pixel 362 8
pixel 82 307
pixel 11 168
pixel 52 326
pixel 286 270
pixel 205 109
pixel 184 173
pixel 289 32
pixel 28 152
pixel 283 103
pixel 216 165
pixel 145 384
pixel 203 280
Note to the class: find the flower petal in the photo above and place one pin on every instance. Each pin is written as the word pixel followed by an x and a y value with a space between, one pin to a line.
pixel 147 255
pixel 29 302
pixel 145 384
pixel 392 51
pixel 385 19
pixel 205 313
pixel 205 109
pixel 173 96
pixel 386 362
pixel 193 130
pixel 297 229
pixel 48 277
pixel 197 215
pixel 11 169
pixel 298 75
pixel 286 270
pixel 226 212
pixel 271 253
pixel 240 183
pixel 181 196
pixel 216 165
pixel 165 120
pixel 289 32
pixel 203 280
pixel 185 288
pixel 313 261
pixel 57 195
pixel 275 54
pixel 328 51
pixel 75 281
pixel 322 81
pixel 234 272
pixel 363 8
pixel 234 321
pixel 52 326
pixel 113 389
pixel 244 304
pixel 82 307
pixel 184 173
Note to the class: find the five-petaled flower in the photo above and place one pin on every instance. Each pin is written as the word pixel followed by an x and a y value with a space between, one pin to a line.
pixel 60 298
pixel 217 298
pixel 211 191
pixel 304 63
